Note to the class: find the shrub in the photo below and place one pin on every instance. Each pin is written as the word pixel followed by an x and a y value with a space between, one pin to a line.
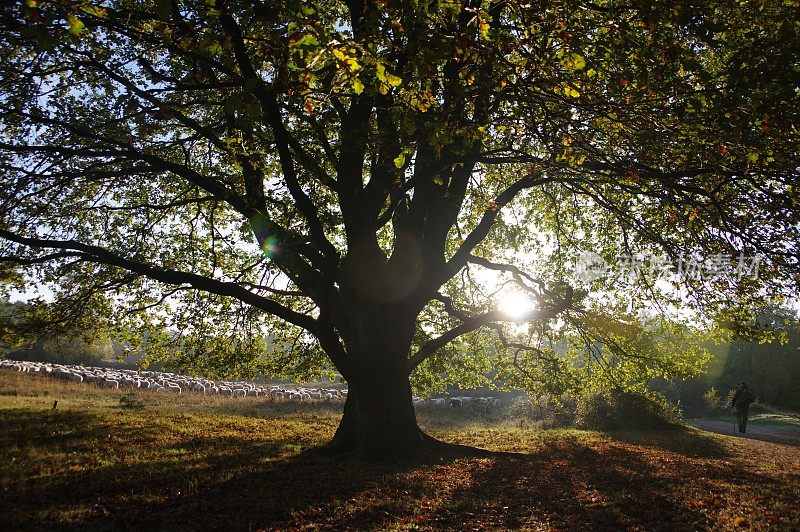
pixel 713 402
pixel 546 411
pixel 129 400
pixel 617 409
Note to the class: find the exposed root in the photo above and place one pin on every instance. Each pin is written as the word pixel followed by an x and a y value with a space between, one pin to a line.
pixel 423 450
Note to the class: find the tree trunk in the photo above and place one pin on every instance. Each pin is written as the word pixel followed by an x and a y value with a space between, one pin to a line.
pixel 379 423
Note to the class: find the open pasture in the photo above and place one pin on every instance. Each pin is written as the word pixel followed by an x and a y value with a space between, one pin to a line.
pixel 189 461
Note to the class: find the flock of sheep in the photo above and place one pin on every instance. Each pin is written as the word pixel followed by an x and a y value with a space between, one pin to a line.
pixel 170 382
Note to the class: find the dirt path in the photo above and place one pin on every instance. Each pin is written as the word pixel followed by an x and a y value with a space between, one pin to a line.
pixel 786 434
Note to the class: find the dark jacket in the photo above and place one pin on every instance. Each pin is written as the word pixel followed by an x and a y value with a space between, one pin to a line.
pixel 742 398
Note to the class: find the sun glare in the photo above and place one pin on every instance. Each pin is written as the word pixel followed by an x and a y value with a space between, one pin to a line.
pixel 516 306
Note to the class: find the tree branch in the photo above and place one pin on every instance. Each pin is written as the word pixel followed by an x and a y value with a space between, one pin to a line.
pixel 469 325
pixel 168 276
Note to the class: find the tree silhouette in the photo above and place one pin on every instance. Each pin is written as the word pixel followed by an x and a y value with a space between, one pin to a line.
pixel 342 170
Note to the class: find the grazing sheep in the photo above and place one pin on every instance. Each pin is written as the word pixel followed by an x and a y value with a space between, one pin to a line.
pixel 164 381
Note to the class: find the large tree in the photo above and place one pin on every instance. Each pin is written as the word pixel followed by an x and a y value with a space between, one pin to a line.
pixel 348 171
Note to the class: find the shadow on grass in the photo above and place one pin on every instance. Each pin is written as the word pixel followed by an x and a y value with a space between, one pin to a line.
pixel 70 468
pixel 675 439
pixel 617 484
pixel 146 479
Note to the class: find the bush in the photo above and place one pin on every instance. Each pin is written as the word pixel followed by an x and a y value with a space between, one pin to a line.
pixel 609 410
pixel 130 400
pixel 714 403
pixel 546 411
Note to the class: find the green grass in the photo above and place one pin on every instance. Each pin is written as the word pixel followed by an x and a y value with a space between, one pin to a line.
pixel 195 462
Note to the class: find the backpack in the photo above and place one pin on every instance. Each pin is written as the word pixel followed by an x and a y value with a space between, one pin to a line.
pixel 746 397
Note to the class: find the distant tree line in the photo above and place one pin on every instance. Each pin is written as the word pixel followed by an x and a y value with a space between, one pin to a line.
pixel 20 339
pixel 770 366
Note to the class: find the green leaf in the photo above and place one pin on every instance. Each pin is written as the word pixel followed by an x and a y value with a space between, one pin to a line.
pixel 400 160
pixel 95 11
pixel 215 48
pixel 307 41
pixel 573 61
pixel 75 25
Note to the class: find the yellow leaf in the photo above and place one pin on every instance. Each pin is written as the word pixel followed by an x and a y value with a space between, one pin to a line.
pixel 386 77
pixel 358 87
pixel 400 160
pixel 75 25
pixel 349 61
pixel 484 29
pixel 752 157
pixel 573 61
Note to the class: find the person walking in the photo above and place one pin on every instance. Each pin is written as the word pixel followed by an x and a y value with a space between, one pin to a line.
pixel 741 401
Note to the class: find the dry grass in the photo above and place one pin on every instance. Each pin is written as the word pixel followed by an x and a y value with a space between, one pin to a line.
pixel 194 462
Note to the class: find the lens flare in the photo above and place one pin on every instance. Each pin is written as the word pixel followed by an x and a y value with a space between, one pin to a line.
pixel 269 247
pixel 516 306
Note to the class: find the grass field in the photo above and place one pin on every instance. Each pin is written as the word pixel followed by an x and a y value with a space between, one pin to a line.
pixel 194 462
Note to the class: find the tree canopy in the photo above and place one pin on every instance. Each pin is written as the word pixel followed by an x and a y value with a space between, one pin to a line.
pixel 352 172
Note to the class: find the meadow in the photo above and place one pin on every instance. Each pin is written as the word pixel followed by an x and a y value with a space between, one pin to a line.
pixel 108 459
